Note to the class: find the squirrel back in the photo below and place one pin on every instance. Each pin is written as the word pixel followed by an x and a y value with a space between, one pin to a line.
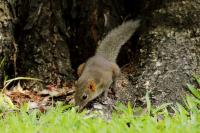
pixel 110 46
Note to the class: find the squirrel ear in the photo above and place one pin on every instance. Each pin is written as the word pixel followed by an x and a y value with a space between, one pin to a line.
pixel 92 85
pixel 80 69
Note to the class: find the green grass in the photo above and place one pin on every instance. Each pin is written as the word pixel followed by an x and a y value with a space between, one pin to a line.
pixel 184 119
pixel 58 120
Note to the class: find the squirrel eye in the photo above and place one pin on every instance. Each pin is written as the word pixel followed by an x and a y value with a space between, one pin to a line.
pixel 84 96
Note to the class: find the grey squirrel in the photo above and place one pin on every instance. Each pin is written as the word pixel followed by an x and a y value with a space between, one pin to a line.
pixel 100 71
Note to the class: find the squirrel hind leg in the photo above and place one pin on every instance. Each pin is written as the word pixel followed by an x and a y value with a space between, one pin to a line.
pixel 112 88
pixel 116 74
pixel 116 71
pixel 80 69
pixel 105 94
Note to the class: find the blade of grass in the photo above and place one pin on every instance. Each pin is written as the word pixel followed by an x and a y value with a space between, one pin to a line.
pixel 161 107
pixel 2 61
pixel 18 78
pixel 148 103
pixel 182 110
pixel 194 91
pixel 197 78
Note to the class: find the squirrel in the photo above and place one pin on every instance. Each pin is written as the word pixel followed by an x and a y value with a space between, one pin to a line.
pixel 98 73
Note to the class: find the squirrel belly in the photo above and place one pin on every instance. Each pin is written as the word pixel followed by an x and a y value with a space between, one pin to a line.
pixel 101 70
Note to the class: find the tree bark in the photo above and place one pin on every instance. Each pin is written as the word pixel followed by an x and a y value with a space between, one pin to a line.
pixel 8 46
pixel 43 38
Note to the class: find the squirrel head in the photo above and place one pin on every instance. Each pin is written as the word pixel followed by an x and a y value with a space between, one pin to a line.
pixel 86 91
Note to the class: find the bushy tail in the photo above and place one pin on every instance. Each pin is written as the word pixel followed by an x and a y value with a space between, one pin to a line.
pixel 109 47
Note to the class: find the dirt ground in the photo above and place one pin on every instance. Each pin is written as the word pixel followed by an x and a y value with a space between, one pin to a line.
pixel 169 55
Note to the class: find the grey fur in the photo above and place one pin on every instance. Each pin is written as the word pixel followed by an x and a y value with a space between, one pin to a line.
pixel 110 46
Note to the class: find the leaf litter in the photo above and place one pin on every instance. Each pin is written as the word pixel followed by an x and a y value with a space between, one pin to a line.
pixel 14 98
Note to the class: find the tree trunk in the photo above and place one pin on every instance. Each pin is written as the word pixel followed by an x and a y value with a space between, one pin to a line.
pixel 8 47
pixel 43 37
